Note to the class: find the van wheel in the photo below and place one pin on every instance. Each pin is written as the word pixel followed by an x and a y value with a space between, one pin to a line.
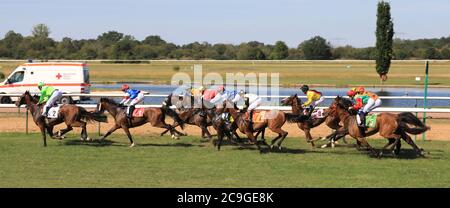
pixel 66 100
pixel 5 100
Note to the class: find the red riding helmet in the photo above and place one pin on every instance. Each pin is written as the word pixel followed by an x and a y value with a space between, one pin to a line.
pixel 351 93
pixel 125 87
pixel 360 89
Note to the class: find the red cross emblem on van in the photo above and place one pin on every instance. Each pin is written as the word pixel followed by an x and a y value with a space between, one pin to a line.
pixel 58 76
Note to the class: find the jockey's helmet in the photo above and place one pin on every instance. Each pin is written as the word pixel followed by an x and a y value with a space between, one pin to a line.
pixel 125 87
pixel 304 88
pixel 351 93
pixel 360 89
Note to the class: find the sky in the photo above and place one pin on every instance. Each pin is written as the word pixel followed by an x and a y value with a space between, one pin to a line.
pixel 341 22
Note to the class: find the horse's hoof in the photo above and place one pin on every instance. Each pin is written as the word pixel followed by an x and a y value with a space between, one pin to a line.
pixel 81 138
pixel 88 139
pixel 271 146
pixel 279 148
pixel 324 146
pixel 132 145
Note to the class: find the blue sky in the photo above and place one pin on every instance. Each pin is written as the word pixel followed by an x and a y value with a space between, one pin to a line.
pixel 229 21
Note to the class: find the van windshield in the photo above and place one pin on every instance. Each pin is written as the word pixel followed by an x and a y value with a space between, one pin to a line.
pixel 16 77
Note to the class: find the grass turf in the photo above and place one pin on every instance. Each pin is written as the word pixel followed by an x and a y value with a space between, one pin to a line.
pixel 163 162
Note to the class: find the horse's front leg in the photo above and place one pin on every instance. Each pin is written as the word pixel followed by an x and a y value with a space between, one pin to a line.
pixel 114 128
pixel 64 131
pixel 44 136
pixel 127 131
pixel 50 131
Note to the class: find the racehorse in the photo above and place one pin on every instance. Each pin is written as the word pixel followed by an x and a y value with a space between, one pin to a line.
pixel 192 115
pixel 307 124
pixel 390 126
pixel 71 115
pixel 274 121
pixel 154 116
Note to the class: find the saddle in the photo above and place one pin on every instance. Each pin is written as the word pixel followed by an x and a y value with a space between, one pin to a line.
pixel 138 112
pixel 53 112
pixel 371 120
pixel 257 117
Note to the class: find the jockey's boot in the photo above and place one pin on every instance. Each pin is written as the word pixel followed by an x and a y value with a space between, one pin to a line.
pixel 46 109
pixel 310 110
pixel 250 120
pixel 130 114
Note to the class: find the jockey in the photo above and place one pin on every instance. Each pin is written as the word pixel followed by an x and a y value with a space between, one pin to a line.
pixel 49 96
pixel 209 94
pixel 365 103
pixel 197 93
pixel 251 102
pixel 314 99
pixel 132 97
pixel 226 95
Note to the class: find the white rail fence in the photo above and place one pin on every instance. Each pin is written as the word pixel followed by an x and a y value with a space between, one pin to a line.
pixel 282 108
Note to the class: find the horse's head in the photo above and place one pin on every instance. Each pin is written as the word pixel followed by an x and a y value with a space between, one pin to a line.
pixel 23 99
pixel 104 104
pixel 341 103
pixel 289 101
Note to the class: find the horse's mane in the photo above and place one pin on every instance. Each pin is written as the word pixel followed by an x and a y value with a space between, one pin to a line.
pixel 108 100
pixel 344 102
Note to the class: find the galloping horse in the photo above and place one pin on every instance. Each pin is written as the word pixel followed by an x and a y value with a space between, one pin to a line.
pixel 390 126
pixel 154 116
pixel 307 124
pixel 192 116
pixel 72 115
pixel 274 121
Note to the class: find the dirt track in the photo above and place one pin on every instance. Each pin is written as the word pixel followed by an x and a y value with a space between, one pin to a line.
pixel 12 122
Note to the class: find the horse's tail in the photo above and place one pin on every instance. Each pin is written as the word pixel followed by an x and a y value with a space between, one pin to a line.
pixel 293 118
pixel 171 113
pixel 408 118
pixel 92 116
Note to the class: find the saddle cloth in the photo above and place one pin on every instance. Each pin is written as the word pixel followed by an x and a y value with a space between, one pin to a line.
pixel 371 120
pixel 53 112
pixel 259 116
pixel 138 112
pixel 318 113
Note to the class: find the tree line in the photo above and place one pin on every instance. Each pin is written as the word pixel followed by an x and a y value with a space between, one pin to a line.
pixel 116 45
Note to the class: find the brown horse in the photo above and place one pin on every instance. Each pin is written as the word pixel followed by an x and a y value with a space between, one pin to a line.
pixel 274 121
pixel 307 124
pixel 192 116
pixel 390 126
pixel 72 115
pixel 154 116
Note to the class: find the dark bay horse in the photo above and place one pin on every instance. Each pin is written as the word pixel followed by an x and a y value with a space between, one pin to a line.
pixel 154 116
pixel 192 115
pixel 307 124
pixel 71 115
pixel 390 126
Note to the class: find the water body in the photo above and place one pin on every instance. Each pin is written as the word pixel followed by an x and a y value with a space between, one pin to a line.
pixel 327 91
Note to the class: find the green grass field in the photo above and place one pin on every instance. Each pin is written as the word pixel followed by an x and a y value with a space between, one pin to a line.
pixel 332 73
pixel 163 162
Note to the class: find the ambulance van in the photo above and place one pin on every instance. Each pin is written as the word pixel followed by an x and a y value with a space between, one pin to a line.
pixel 69 77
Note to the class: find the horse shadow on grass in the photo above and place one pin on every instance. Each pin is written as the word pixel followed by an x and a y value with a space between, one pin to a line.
pixel 94 143
pixel 267 150
pixel 178 144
